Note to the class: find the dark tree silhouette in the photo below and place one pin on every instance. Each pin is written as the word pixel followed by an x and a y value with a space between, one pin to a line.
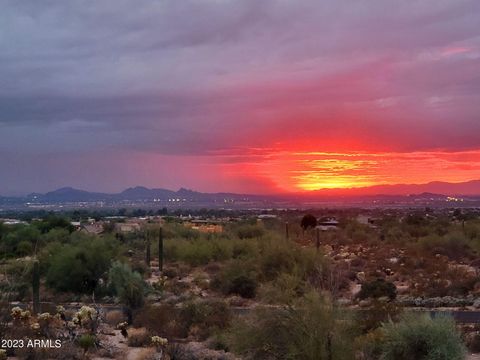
pixel 308 221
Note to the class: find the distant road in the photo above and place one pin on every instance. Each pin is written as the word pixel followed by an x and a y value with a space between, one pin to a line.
pixel 460 316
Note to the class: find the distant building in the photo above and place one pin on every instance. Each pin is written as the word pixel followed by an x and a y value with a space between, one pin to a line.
pixel 127 227
pixel 204 226
pixel 367 220
pixel 267 216
pixel 12 222
pixel 93 229
pixel 76 224
pixel 327 224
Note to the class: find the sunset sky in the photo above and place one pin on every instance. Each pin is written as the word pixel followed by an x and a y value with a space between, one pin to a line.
pixel 245 96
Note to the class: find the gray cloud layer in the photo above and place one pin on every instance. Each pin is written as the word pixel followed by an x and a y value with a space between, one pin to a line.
pixel 194 77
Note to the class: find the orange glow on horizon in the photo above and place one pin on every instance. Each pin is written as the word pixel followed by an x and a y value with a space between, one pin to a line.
pixel 294 171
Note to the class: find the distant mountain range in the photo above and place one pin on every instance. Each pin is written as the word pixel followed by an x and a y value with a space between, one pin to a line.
pixel 138 193
pixel 435 187
pixel 134 194
pixel 433 191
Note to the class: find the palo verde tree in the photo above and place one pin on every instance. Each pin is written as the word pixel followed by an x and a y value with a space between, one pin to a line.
pixel 78 267
pixel 128 285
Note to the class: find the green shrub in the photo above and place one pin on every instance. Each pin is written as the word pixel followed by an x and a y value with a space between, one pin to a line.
pixel 243 285
pixel 78 267
pixel 86 342
pixel 420 337
pixel 312 329
pixel 199 251
pixel 283 290
pixel 20 234
pixel 276 257
pixel 244 248
pixel 24 248
pixel 138 337
pixel 197 318
pixel 53 222
pixel 377 289
pixel 473 343
pixel 377 314
pixel 250 231
pixel 454 245
pixel 275 260
pixel 57 234
pixel 369 345
pixel 127 285
pixel 239 278
pixel 206 317
pixel 162 320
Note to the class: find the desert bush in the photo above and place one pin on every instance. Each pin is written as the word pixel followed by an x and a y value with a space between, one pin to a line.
pixel 86 342
pixel 68 351
pixel 199 319
pixel 238 277
pixel 24 248
pixel 204 317
pixel 53 222
pixel 276 257
pixel 128 285
pixel 309 330
pixel 243 285
pixel 378 313
pixel 146 354
pixel 201 279
pixel 244 248
pixel 218 341
pixel 179 352
pixel 60 235
pixel 139 266
pixel 162 320
pixel 249 231
pixel 179 231
pixel 78 267
pixel 422 338
pixel 439 279
pixel 395 235
pixel 275 260
pixel 377 289
pixel 138 337
pixel 199 251
pixel 369 345
pixel 28 353
pixel 473 342
pixel 283 290
pixel 115 317
pixel 454 245
pixel 20 234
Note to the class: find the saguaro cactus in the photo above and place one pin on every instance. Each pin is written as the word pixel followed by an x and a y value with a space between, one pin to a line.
pixel 160 249
pixel 147 250
pixel 36 287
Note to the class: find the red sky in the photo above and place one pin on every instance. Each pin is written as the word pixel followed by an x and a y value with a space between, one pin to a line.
pixel 302 170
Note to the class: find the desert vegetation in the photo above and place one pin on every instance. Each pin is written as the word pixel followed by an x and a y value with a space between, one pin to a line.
pixel 256 289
